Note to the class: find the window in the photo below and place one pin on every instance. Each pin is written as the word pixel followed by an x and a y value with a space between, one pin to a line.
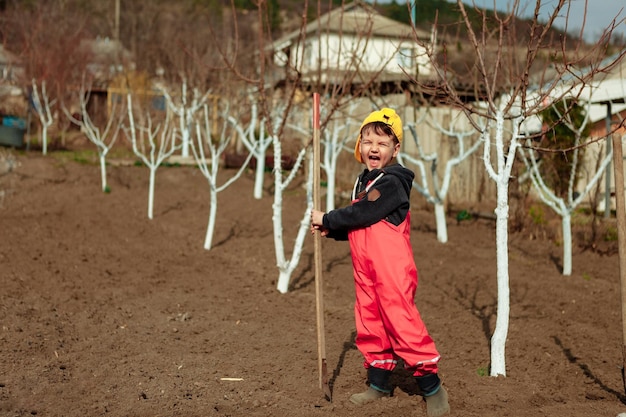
pixel 404 57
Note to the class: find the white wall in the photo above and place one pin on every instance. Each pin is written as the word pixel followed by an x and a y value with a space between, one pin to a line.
pixel 349 52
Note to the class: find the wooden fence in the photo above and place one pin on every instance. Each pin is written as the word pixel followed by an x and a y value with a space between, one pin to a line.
pixel 470 184
pixel 469 181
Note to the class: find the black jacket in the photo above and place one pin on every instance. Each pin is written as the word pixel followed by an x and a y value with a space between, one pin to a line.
pixel 388 199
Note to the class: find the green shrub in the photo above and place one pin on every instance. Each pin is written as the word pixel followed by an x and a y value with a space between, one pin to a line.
pixel 537 215
pixel 611 234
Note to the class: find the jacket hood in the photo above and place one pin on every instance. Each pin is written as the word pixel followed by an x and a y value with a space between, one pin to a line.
pixel 405 175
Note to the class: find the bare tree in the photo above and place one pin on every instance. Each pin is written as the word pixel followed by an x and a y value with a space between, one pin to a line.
pixel 43 105
pixel 48 37
pixel 307 65
pixel 210 164
pixel 253 135
pixel 104 137
pixel 433 180
pixel 152 140
pixel 502 69
pixel 185 106
pixel 564 201
pixel 338 132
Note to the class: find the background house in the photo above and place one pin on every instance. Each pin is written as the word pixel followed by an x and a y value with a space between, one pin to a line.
pixel 13 104
pixel 10 67
pixel 355 42
pixel 607 113
pixel 12 101
pixel 107 61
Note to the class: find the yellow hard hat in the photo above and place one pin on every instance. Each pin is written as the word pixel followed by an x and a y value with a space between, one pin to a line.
pixel 387 116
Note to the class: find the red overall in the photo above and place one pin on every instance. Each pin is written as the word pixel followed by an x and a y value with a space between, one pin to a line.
pixel 388 323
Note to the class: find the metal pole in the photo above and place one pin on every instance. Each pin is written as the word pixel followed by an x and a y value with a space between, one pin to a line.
pixel 116 35
pixel 607 182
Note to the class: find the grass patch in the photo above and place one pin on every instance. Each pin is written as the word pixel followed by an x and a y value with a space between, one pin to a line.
pixel 610 235
pixel 582 217
pixel 537 215
pixel 482 371
pixel 85 157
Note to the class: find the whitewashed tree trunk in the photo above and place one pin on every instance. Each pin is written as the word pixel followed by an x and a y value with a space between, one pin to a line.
pixel 440 184
pixel 43 107
pixel 255 138
pixel 335 134
pixel 103 170
pixel 287 266
pixel 334 141
pixel 104 138
pixel 498 339
pixel 440 220
pixel 492 64
pixel 210 231
pixel 159 140
pixel 565 206
pixel 334 138
pixel 185 109
pixel 151 184
pixel 566 226
pixel 259 171
pixel 501 175
pixel 210 167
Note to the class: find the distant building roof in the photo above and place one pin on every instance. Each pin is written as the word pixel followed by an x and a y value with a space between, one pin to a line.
pixel 12 101
pixel 391 47
pixel 7 57
pixel 356 18
pixel 606 86
pixel 107 57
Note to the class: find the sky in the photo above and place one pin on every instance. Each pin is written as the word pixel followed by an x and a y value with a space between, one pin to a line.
pixel 599 13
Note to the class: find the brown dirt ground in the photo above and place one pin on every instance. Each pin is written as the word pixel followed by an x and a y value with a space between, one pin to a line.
pixel 105 312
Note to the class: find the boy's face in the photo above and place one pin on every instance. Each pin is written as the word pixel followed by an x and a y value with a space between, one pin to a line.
pixel 377 150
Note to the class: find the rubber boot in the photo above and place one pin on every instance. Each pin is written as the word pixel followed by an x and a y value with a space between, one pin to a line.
pixel 367 396
pixel 435 395
pixel 379 387
pixel 437 404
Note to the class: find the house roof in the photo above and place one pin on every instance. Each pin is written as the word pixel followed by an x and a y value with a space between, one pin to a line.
pixel 606 86
pixel 609 85
pixel 611 88
pixel 12 100
pixel 105 51
pixel 106 57
pixel 355 18
pixel 7 57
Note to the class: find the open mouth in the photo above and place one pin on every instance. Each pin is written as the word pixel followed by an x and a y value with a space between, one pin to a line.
pixel 373 161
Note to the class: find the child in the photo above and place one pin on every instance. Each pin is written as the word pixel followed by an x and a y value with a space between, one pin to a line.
pixel 377 224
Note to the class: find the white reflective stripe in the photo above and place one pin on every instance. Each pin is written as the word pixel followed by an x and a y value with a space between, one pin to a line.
pixel 384 361
pixel 434 360
pixel 356 184
pixel 367 188
pixel 373 181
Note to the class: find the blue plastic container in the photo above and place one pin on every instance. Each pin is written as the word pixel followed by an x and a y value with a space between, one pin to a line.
pixel 14 121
